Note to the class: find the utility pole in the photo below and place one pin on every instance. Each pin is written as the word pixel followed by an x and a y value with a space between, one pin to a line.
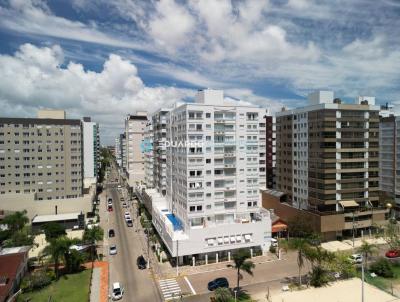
pixel 177 259
pixel 362 278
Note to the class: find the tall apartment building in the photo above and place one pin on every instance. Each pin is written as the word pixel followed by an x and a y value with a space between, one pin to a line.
pixel 42 156
pixel 91 151
pixel 389 158
pixel 118 152
pixel 215 165
pixel 270 154
pixel 147 148
pixel 159 121
pixel 134 134
pixel 328 162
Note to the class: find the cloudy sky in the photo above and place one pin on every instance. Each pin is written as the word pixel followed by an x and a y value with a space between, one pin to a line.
pixel 105 58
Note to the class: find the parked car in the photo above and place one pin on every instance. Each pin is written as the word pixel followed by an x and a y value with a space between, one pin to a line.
pixel 392 254
pixel 356 258
pixel 141 262
pixel 119 187
pixel 274 242
pixel 110 201
pixel 111 233
pixel 122 198
pixel 127 214
pixel 124 205
pixel 110 208
pixel 117 291
pixel 129 223
pixel 113 249
pixel 217 283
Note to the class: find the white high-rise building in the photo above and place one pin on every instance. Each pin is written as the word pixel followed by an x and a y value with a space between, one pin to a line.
pixel 147 148
pixel 134 135
pixel 213 177
pixel 91 151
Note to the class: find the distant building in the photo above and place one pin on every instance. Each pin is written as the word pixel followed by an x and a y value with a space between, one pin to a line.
pixel 134 131
pixel 41 156
pixel 91 151
pixel 270 148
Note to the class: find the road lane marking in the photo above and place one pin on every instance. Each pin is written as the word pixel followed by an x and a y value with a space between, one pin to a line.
pixel 190 285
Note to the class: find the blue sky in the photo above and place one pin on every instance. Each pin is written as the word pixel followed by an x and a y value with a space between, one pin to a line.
pixel 108 58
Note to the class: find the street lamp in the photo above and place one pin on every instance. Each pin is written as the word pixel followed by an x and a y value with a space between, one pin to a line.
pixel 235 291
pixel 389 206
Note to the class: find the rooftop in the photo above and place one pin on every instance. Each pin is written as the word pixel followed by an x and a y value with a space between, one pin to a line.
pixel 58 217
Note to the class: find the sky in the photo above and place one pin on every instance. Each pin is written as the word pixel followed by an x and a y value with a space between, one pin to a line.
pixel 105 59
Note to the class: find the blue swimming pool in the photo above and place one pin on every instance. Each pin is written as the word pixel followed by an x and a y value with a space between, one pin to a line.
pixel 175 222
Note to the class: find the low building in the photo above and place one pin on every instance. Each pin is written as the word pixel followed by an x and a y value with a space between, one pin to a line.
pixel 68 221
pixel 13 267
pixel 327 224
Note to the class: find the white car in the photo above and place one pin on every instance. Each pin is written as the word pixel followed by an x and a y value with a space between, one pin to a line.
pixel 119 187
pixel 356 258
pixel 117 291
pixel 113 249
pixel 274 242
pixel 127 215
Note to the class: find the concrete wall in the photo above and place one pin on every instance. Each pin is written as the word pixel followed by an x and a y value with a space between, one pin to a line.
pixel 19 202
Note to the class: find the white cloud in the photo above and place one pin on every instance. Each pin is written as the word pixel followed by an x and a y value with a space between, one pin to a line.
pixel 34 17
pixel 32 78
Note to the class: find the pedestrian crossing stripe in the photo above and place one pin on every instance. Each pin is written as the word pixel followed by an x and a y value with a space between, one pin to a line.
pixel 170 288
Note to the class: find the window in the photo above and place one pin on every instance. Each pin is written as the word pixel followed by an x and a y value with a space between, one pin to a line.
pixel 208 160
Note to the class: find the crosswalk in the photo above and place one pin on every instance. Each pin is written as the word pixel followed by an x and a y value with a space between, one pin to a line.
pixel 170 289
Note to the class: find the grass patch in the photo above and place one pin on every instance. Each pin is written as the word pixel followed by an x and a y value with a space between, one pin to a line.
pixel 383 283
pixel 71 288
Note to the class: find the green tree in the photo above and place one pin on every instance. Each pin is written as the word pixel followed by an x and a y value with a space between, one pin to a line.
pixel 16 221
pixel 223 294
pixel 73 260
pixel 343 265
pixel 20 238
pixel 300 227
pixel 90 236
pixel 301 245
pixel 242 264
pixel 57 249
pixel 367 249
pixel 53 230
pixel 319 259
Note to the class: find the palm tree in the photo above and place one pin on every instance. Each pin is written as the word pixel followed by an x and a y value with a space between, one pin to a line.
pixel 242 264
pixel 92 235
pixel 57 249
pixel 367 249
pixel 319 258
pixel 301 246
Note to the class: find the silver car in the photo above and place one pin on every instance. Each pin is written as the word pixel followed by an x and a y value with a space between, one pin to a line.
pixel 113 249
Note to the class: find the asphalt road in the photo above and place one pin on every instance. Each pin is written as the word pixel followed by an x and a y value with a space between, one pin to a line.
pixel 139 285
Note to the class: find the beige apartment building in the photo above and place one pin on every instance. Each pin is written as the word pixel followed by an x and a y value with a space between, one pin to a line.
pixel 41 156
pixel 327 161
pixel 135 160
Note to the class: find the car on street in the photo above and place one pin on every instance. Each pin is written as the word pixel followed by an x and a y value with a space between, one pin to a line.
pixel 129 222
pixel 119 187
pixel 127 215
pixel 217 283
pixel 141 262
pixel 121 198
pixel 110 201
pixel 109 208
pixel 117 291
pixel 124 205
pixel 356 258
pixel 392 254
pixel 111 233
pixel 274 242
pixel 113 249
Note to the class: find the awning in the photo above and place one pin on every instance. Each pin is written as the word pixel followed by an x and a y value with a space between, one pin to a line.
pixel 247 237
pixel 226 239
pixel 279 227
pixel 349 203
pixel 210 241
pixel 220 240
pixel 233 239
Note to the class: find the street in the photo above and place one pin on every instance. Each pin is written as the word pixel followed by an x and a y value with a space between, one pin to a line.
pixel 139 285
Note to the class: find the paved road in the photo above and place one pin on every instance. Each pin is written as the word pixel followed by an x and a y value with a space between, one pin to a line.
pixel 139 284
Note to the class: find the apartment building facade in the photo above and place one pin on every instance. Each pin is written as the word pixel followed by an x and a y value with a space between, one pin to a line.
pixel 91 151
pixel 328 158
pixel 215 165
pixel 270 148
pixel 389 158
pixel 41 156
pixel 134 137
pixel 147 148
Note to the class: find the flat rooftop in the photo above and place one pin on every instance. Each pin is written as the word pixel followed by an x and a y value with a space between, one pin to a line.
pixel 58 217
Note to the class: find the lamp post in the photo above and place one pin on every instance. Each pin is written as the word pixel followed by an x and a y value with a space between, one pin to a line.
pixel 362 277
pixel 177 259
pixel 235 291
pixel 389 206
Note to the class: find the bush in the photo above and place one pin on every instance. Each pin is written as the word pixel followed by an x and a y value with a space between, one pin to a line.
pixel 272 249
pixel 319 277
pixel 223 295
pixel 36 280
pixel 382 267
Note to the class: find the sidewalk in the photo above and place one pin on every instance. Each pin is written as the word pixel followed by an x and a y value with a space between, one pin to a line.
pixel 347 245
pixel 99 286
